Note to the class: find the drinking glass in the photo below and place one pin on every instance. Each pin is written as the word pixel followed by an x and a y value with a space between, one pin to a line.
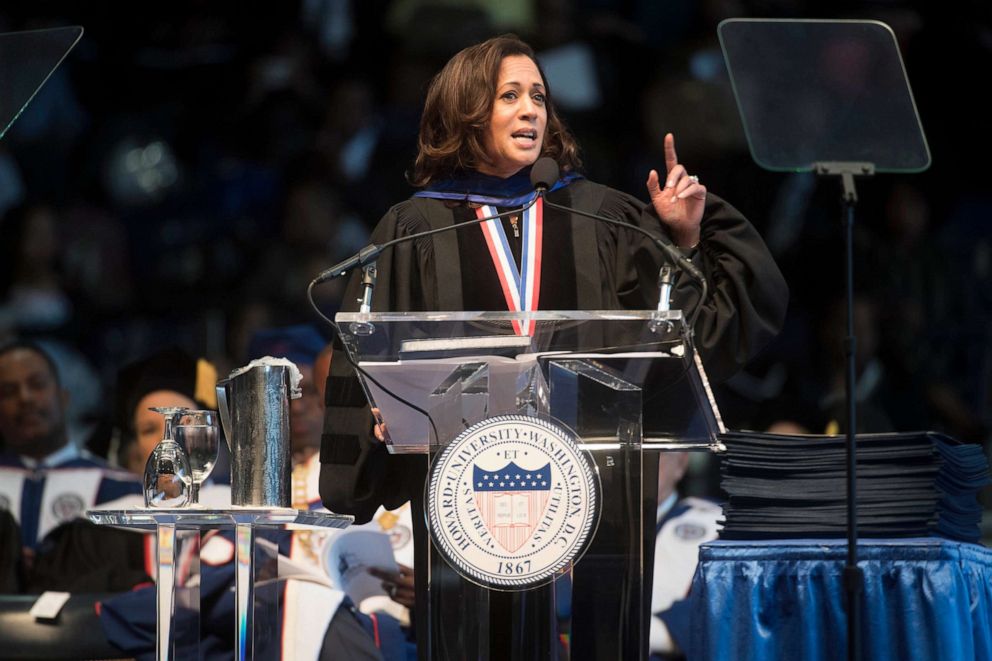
pixel 199 433
pixel 167 472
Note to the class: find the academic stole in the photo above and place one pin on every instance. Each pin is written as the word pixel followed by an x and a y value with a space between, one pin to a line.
pixel 521 288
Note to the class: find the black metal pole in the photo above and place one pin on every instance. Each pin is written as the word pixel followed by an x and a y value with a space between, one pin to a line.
pixel 853 577
pixel 852 573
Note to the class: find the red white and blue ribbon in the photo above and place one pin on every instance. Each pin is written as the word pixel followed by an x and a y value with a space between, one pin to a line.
pixel 521 288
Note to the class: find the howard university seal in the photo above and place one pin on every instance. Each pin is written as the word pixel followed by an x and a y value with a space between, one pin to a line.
pixel 512 500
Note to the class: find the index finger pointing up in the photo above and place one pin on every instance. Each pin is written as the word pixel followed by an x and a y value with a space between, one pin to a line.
pixel 671 158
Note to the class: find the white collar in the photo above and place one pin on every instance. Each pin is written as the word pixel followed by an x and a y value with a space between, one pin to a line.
pixel 67 452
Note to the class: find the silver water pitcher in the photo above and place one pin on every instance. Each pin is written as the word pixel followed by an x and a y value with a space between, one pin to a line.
pixel 254 411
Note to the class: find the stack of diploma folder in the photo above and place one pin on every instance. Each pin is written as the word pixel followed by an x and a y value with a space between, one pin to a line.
pixel 909 485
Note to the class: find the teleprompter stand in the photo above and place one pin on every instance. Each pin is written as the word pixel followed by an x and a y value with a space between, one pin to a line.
pixel 830 97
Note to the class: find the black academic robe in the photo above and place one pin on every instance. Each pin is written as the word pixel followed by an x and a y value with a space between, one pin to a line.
pixel 587 265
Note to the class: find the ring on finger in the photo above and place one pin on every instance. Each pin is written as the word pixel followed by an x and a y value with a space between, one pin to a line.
pixel 694 178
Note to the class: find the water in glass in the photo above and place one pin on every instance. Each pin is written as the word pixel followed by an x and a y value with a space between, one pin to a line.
pixel 199 433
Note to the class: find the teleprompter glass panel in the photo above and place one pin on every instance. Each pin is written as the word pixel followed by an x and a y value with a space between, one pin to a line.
pixel 27 59
pixel 813 91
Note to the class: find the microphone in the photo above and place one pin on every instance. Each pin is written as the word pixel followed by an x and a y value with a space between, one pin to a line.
pixel 361 258
pixel 545 173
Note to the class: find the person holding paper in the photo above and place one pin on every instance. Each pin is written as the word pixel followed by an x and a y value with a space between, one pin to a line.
pixel 488 116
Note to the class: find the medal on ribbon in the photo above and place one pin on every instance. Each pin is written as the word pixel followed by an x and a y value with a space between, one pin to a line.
pixel 521 287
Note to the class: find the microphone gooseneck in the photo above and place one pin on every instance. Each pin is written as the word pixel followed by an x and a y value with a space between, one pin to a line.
pixel 674 254
pixel 371 251
pixel 545 173
pixel 543 176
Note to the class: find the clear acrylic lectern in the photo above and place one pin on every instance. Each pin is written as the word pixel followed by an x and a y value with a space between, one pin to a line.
pixel 625 382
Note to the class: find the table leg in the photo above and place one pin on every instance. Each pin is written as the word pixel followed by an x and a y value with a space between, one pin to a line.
pixel 186 628
pixel 244 591
pixel 165 591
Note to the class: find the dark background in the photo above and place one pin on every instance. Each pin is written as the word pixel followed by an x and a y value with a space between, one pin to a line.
pixel 192 165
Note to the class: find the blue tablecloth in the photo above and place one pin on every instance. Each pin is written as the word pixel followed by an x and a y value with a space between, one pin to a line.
pixel 923 599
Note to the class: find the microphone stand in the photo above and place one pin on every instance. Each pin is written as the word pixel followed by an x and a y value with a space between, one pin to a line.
pixel 369 276
pixel 853 576
pixel 665 288
pixel 368 284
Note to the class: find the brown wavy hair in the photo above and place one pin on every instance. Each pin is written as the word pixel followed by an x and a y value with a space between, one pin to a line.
pixel 458 109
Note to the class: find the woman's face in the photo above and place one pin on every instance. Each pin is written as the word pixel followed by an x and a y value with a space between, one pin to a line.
pixel 149 426
pixel 516 127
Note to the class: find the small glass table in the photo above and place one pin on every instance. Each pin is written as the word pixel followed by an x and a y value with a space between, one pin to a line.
pixel 178 535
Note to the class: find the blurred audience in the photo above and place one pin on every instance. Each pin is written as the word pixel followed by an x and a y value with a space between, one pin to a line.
pixel 925 333
pixel 316 232
pixel 255 149
pixel 32 297
pixel 46 481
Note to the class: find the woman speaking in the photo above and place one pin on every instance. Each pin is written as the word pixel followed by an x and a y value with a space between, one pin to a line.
pixel 488 116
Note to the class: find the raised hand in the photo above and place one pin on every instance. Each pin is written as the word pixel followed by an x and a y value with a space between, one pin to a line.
pixel 681 201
